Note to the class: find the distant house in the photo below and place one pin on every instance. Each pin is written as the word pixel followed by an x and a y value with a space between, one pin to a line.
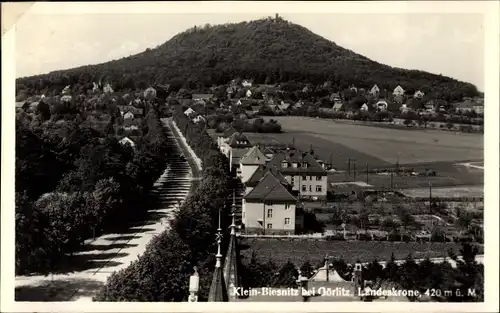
pixel 398 91
pixel 248 93
pixel 375 91
pixel 22 106
pixel 127 141
pixel 237 145
pixel 382 105
pixel 202 97
pixel 150 93
pixel 467 105
pixel 199 119
pixel 299 104
pixel 132 110
pixel 189 112
pixel 271 207
pixel 128 115
pixel 337 106
pixel 479 109
pixel 404 108
pixel 66 90
pixel 284 106
pixel 223 139
pixel 302 171
pixel 107 89
pixel 364 107
pixel 246 83
pixel 335 97
pixel 95 87
pixel 418 94
pixel 249 163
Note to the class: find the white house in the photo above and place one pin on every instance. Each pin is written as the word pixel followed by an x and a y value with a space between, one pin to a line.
pixel 66 90
pixel 189 112
pixel 107 88
pixel 479 109
pixel 398 91
pixel 95 87
pixel 198 119
pixel 249 163
pixel 270 207
pixel 248 93
pixel 382 105
pixel 375 91
pixel 128 115
pixel 364 107
pixel 127 141
pixel 246 83
pixel 418 94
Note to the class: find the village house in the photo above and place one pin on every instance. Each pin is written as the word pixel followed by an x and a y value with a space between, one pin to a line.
pixel 479 109
pixel 364 107
pixel 246 83
pixel 467 105
pixel 237 145
pixel 127 141
pixel 189 112
pixel 223 139
pixel 398 91
pixel 131 124
pixel 418 94
pixel 375 91
pixel 249 163
pixel 130 112
pixel 248 94
pixel 107 89
pixel 199 119
pixel 302 170
pixel 95 87
pixel 284 106
pixel 381 105
pixel 337 106
pixel 201 98
pixel 271 207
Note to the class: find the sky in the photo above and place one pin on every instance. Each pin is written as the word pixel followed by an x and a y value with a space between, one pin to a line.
pixel 449 44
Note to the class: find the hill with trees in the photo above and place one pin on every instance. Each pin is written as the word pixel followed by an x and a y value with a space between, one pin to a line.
pixel 269 50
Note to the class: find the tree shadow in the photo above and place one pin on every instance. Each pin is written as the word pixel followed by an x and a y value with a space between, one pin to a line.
pixel 136 230
pixel 91 261
pixel 107 247
pixel 58 290
pixel 122 237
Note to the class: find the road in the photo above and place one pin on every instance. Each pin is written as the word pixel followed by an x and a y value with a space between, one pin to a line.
pixel 113 252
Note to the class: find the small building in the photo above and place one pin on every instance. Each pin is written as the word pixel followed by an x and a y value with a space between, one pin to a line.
pixel 337 106
pixel 364 107
pixel 248 94
pixel 199 119
pixel 418 94
pixel 128 115
pixel 189 112
pixel 375 91
pixel 398 91
pixel 479 109
pixel 270 207
pixel 127 141
pixel 381 105
pixel 66 90
pixel 108 89
pixel 284 106
pixel 246 83
pixel 249 163
pixel 202 97
pixel 237 145
pixel 130 111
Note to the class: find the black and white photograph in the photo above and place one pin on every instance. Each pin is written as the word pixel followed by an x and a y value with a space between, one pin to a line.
pixel 252 152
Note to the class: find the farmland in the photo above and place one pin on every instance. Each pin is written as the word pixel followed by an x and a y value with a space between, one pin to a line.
pixel 378 146
pixel 314 251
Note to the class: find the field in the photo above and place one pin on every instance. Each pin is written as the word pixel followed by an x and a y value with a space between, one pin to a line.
pixel 299 251
pixel 469 191
pixel 377 146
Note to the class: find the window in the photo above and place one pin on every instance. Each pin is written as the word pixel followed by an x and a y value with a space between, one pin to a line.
pixel 269 213
pixel 284 164
pixel 287 207
pixel 318 177
pixel 287 221
pixel 304 177
pixel 268 202
pixel 318 188
pixel 304 188
pixel 269 226
pixel 292 180
pixel 310 178
pixel 310 188
pixel 295 164
pixel 304 164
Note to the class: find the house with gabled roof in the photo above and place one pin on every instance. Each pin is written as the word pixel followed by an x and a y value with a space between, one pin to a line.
pixel 418 94
pixel 375 91
pixel 337 106
pixel 189 112
pixel 246 83
pixel 302 171
pixel 235 147
pixel 271 207
pixel 127 141
pixel 284 106
pixel 398 91
pixel 249 163
pixel 223 139
pixel 382 105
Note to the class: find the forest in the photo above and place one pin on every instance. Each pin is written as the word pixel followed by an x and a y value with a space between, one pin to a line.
pixel 268 51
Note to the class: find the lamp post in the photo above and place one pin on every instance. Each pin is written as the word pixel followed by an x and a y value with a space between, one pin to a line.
pixel 194 286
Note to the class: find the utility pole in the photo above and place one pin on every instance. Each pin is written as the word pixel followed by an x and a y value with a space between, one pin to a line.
pixel 397 165
pixel 349 168
pixel 331 159
pixel 392 174
pixel 367 172
pixel 430 197
pixel 354 171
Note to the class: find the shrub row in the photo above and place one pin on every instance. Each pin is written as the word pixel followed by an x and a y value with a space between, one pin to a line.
pixel 162 272
pixel 105 187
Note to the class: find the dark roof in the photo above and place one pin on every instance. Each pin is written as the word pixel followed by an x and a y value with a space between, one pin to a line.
pixel 202 96
pixel 239 140
pixel 229 132
pixel 261 172
pixel 270 188
pixel 291 156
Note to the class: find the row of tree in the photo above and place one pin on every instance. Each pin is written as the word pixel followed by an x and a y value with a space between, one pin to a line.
pixel 463 283
pixel 74 182
pixel 162 272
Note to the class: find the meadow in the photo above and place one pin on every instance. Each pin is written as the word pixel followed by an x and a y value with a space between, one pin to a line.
pixel 380 147
pixel 314 251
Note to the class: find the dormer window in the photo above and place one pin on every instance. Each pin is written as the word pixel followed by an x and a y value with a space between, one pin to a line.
pixel 284 164
pixel 304 164
pixel 295 164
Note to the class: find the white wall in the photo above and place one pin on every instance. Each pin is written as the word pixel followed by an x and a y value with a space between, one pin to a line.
pixel 252 212
pixel 247 171
pixel 298 182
